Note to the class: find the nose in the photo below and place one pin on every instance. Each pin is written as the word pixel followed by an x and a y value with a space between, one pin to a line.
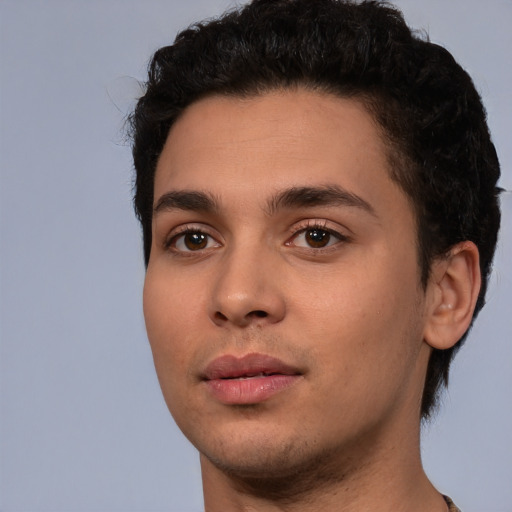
pixel 247 291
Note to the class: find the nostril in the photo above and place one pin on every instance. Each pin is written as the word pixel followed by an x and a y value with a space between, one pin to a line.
pixel 245 319
pixel 259 313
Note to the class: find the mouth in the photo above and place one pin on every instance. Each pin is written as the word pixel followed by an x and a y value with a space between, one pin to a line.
pixel 251 379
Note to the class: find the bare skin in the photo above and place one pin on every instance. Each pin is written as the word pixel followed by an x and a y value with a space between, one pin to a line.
pixel 278 235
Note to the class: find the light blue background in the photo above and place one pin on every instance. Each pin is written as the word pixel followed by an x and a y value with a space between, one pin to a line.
pixel 83 426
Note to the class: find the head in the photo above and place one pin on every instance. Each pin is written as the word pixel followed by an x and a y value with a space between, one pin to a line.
pixel 429 115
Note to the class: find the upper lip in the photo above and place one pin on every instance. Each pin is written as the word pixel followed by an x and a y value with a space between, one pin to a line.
pixel 232 367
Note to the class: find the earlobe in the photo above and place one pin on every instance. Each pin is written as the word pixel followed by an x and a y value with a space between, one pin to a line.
pixel 453 290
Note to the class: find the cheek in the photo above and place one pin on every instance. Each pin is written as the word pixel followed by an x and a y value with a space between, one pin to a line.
pixel 168 323
pixel 349 298
pixel 365 316
pixel 165 323
pixel 170 302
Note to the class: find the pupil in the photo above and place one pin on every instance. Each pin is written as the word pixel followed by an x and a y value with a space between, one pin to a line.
pixel 318 237
pixel 195 241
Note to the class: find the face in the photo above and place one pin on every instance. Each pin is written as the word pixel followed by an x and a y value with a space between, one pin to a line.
pixel 282 299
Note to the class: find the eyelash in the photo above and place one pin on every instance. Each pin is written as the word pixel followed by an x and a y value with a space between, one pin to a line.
pixel 310 225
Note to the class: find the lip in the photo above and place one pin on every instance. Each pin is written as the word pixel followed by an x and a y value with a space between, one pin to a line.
pixel 250 379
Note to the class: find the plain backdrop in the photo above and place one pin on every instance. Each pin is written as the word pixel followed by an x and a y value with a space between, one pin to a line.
pixel 83 427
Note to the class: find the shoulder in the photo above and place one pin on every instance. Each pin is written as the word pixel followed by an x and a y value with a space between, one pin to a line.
pixel 451 506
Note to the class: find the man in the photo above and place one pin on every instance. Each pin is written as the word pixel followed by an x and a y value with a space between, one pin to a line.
pixel 317 192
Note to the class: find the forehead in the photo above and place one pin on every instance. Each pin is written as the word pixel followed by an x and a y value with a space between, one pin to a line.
pixel 251 147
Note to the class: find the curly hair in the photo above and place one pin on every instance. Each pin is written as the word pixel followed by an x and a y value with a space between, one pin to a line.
pixel 429 112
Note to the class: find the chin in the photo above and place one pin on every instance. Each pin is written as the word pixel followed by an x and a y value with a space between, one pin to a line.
pixel 249 443
pixel 281 471
pixel 254 453
pixel 256 460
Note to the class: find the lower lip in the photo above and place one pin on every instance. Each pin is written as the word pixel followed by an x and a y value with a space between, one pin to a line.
pixel 250 391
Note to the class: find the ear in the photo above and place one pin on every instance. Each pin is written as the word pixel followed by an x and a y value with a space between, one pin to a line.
pixel 452 291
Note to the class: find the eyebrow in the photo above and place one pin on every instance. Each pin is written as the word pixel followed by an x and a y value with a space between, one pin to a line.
pixel 325 195
pixel 186 200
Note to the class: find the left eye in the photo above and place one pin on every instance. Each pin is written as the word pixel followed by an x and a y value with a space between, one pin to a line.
pixel 193 241
pixel 316 238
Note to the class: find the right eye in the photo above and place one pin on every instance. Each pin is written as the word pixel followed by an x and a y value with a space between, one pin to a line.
pixel 192 241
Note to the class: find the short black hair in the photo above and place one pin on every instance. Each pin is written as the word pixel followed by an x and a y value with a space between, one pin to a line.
pixel 431 116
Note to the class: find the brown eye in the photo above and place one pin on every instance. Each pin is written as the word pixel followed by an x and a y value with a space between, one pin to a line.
pixel 317 238
pixel 195 241
pixel 192 241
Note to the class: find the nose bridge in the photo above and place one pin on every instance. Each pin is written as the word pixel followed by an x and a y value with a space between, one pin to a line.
pixel 246 289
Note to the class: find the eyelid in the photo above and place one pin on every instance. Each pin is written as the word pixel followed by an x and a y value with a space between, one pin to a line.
pixel 319 223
